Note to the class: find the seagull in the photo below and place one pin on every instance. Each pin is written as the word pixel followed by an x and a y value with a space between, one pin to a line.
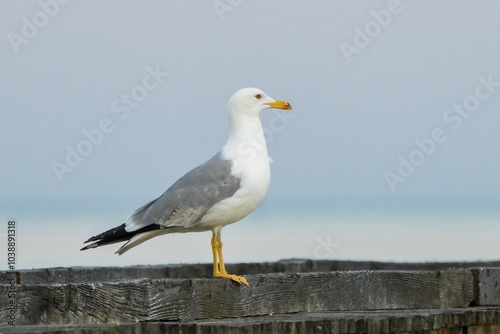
pixel 222 191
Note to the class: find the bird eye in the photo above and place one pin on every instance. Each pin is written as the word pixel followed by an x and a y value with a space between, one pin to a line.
pixel 258 96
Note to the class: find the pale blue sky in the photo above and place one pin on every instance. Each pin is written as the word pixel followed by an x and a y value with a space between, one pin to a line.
pixel 352 119
pixel 367 80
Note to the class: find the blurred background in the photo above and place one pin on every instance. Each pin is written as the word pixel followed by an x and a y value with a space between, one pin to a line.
pixel 390 152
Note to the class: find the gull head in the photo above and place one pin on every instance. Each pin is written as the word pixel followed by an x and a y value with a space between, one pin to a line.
pixel 251 101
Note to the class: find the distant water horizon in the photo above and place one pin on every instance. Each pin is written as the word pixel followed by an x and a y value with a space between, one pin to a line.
pixel 50 234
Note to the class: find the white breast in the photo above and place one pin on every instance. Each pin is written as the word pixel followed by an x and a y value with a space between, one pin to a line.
pixel 246 148
pixel 255 177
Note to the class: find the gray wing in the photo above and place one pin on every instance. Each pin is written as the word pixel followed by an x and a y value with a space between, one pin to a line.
pixel 188 199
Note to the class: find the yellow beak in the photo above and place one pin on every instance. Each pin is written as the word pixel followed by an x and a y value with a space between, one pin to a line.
pixel 280 105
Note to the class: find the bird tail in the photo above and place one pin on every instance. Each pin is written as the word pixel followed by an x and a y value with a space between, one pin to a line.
pixel 137 240
pixel 119 234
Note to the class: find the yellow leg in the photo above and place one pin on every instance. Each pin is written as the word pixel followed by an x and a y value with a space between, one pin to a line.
pixel 214 254
pixel 219 268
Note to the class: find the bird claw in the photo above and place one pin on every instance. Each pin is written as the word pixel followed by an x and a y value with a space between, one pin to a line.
pixel 237 279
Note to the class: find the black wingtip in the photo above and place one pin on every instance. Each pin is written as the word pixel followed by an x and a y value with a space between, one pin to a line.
pixel 88 246
pixel 89 240
pixel 111 236
pixel 115 235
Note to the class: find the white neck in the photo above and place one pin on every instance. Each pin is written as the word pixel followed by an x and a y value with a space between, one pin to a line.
pixel 246 138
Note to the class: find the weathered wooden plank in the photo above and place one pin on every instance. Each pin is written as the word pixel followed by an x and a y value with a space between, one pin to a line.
pixel 469 320
pixel 492 329
pixel 488 286
pixel 114 274
pixel 190 299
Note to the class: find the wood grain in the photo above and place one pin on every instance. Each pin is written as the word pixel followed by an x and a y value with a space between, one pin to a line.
pixel 301 296
pixel 113 274
pixel 488 286
pixel 449 321
pixel 191 299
